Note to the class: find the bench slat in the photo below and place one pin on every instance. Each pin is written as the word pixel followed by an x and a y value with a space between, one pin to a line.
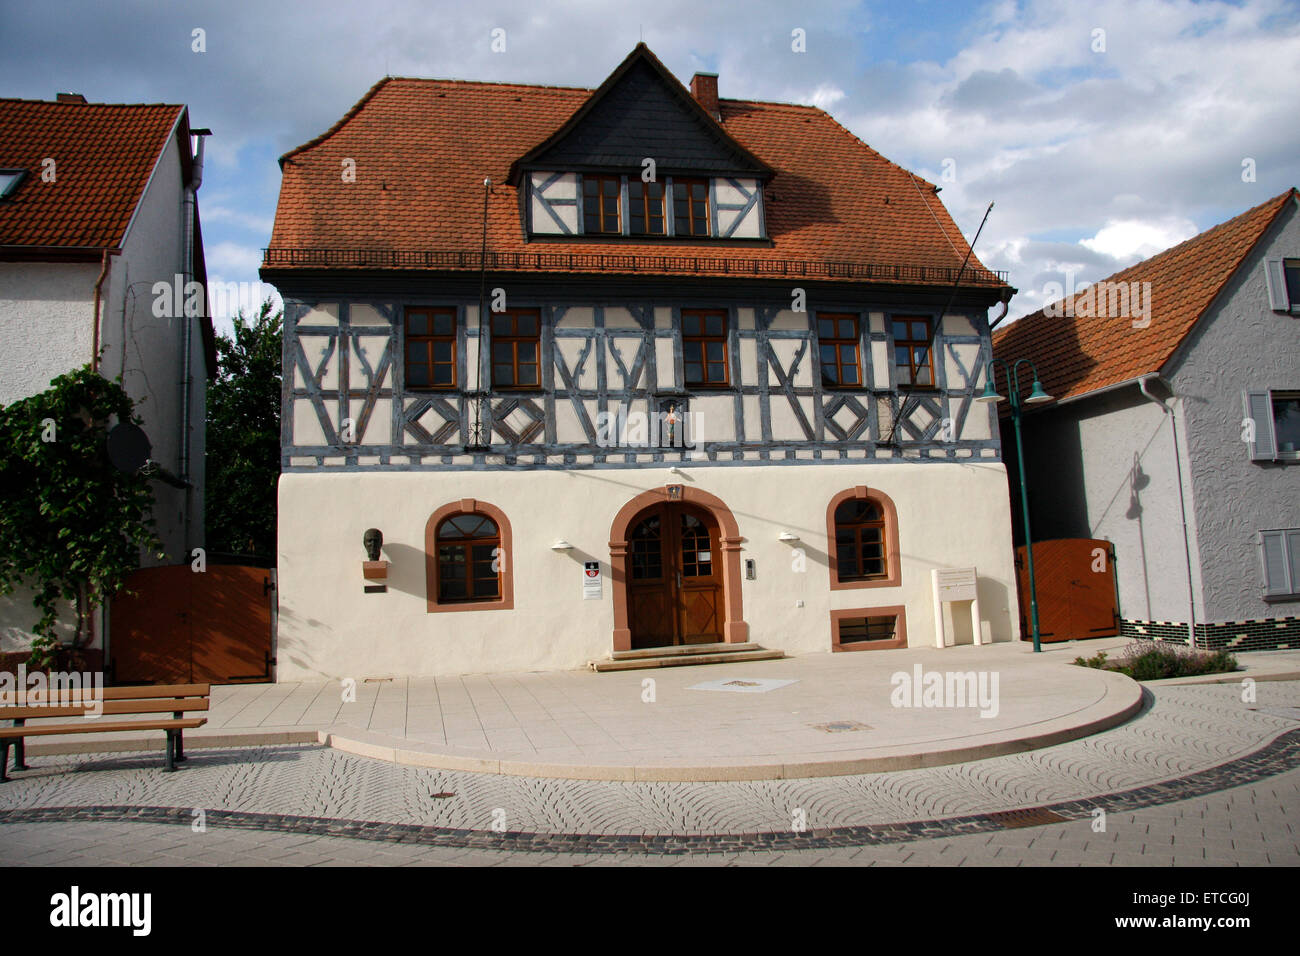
pixel 112 707
pixel 88 727
pixel 22 697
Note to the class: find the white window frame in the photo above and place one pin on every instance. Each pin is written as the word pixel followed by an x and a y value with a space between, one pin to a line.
pixel 1289 541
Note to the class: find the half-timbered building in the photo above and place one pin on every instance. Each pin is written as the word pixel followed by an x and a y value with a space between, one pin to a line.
pixel 618 370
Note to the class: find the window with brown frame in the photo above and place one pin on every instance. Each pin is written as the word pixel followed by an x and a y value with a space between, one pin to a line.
pixel 516 349
pixel 691 207
pixel 600 200
pixel 704 347
pixel 430 348
pixel 913 356
pixel 860 551
pixel 469 559
pixel 841 360
pixel 645 208
pixel 854 630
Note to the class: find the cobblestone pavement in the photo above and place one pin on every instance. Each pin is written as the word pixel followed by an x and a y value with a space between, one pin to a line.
pixel 1185 782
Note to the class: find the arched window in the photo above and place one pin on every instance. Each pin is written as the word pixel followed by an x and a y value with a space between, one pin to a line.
pixel 862 528
pixel 467 558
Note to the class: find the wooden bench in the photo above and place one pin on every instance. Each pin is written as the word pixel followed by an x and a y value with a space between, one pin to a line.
pixel 174 699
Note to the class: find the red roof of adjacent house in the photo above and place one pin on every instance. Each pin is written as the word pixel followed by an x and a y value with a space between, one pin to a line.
pixel 1076 354
pixel 103 157
pixel 423 147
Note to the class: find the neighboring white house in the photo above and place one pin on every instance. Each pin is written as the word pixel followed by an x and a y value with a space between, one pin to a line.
pixel 1210 331
pixel 97 206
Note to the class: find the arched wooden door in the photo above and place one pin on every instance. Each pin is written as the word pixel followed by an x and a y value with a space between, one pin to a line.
pixel 674 586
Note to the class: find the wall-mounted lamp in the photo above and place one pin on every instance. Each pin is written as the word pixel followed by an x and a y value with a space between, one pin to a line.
pixel 561 545
pixel 787 536
pixel 674 470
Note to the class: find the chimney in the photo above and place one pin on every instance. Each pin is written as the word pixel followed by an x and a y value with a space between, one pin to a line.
pixel 71 98
pixel 704 87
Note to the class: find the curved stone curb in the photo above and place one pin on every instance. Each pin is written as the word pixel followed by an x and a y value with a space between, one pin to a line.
pixel 1122 700
pixel 1279 756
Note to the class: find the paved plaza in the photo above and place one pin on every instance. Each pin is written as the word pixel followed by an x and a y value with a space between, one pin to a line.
pixel 1199 776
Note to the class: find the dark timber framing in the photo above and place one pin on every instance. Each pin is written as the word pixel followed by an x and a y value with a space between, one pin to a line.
pixel 588 364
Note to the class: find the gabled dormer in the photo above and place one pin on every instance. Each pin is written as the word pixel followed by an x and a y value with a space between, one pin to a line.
pixel 643 159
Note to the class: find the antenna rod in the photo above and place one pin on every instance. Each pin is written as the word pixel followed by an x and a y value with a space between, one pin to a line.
pixel 905 408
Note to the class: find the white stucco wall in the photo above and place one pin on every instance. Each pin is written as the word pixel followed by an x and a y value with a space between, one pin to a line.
pixel 949 515
pixel 46 323
pixel 1240 344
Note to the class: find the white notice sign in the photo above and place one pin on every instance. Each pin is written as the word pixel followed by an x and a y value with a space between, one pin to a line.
pixel 954 584
pixel 591 581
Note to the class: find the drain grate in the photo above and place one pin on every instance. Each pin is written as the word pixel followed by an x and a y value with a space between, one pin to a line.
pixel 1031 817
pixel 840 726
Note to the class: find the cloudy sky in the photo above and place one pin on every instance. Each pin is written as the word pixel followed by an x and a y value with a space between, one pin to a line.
pixel 1104 132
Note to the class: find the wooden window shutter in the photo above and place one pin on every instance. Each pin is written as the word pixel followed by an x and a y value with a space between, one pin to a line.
pixel 1259 408
pixel 1275 276
pixel 1278 565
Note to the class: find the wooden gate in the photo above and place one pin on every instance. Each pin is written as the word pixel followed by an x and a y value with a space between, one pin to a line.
pixel 182 626
pixel 1075 582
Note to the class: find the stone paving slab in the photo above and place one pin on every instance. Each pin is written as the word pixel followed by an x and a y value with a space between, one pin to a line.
pixel 652 725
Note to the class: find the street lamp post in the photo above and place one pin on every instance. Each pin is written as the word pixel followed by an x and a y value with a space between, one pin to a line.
pixel 1035 397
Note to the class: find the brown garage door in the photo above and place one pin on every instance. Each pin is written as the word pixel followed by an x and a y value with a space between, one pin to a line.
pixel 185 626
pixel 1075 582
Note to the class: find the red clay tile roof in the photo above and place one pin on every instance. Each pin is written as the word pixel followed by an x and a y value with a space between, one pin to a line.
pixel 104 155
pixel 423 147
pixel 1079 354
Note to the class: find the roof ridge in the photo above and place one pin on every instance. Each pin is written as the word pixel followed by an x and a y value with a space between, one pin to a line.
pixel 526 86
pixel 19 99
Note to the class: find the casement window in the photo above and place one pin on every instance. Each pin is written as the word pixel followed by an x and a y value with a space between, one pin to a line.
pixel 467 558
pixel 704 347
pixel 690 207
pixel 430 348
pixel 600 205
pixel 866 629
pixel 1283 279
pixel 516 349
pixel 841 360
pixel 1280 551
pixel 645 208
pixel 862 530
pixel 1274 417
pixel 913 356
pixel 9 180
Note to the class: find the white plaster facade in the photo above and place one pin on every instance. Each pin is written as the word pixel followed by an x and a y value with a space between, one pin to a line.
pixel 949 515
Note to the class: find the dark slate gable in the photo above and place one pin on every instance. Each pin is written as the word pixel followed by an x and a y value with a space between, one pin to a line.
pixel 641 116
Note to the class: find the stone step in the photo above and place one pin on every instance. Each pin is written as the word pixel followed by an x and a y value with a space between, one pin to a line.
pixel 683 649
pixel 685 660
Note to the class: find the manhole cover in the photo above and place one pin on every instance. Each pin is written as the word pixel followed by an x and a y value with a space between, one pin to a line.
pixel 740 685
pixel 1031 817
pixel 840 726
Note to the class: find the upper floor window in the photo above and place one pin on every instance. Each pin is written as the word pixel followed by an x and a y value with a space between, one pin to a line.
pixel 1291 270
pixel 841 360
pixel 430 348
pixel 600 202
pixel 9 180
pixel 691 207
pixel 1275 425
pixel 1283 280
pixel 913 356
pixel 1281 554
pixel 704 346
pixel 645 213
pixel 516 349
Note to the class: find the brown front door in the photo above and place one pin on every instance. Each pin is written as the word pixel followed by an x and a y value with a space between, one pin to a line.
pixel 1075 582
pixel 675 577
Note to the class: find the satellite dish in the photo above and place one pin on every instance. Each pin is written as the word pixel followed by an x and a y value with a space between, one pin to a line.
pixel 128 447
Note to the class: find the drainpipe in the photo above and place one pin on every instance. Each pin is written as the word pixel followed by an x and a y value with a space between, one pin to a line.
pixel 99 285
pixel 187 335
pixel 1182 505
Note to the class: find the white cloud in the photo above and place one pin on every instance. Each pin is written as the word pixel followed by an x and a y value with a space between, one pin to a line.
pixel 1131 240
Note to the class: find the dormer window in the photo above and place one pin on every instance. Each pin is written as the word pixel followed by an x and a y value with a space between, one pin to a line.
pixel 646 208
pixel 691 207
pixel 600 201
pixel 9 180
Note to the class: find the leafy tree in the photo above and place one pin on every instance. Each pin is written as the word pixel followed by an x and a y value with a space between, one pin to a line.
pixel 72 525
pixel 243 439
